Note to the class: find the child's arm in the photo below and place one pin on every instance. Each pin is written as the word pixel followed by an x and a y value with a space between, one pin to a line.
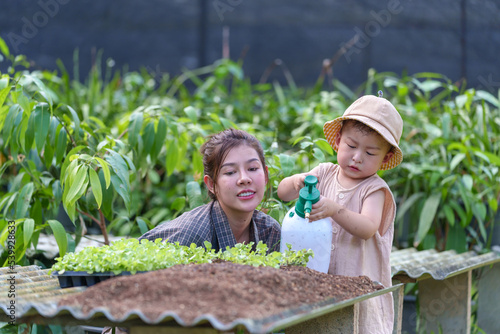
pixel 362 225
pixel 289 187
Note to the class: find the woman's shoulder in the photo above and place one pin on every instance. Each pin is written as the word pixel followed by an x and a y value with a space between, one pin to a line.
pixel 192 217
pixel 190 221
pixel 264 220
pixel 268 230
pixel 200 211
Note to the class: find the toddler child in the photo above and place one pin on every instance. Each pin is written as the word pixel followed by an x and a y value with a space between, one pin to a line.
pixel 358 202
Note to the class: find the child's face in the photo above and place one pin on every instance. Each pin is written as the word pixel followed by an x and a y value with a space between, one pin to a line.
pixel 360 155
pixel 241 182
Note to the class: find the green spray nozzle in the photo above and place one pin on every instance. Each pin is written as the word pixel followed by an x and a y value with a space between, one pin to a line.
pixel 307 196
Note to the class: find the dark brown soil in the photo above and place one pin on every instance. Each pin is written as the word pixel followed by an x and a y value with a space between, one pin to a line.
pixel 227 291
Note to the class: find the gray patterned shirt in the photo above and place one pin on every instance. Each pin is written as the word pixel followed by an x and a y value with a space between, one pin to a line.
pixel 209 223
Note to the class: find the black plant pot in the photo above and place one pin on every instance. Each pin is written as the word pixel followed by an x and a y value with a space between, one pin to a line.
pixel 70 279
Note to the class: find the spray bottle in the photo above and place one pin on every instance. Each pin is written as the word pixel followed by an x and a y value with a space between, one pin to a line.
pixel 302 234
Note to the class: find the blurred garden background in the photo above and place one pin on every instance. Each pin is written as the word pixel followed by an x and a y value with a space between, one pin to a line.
pixel 103 108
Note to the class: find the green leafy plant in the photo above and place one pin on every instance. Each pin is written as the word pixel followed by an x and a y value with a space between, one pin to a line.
pixel 119 149
pixel 133 255
pixel 448 183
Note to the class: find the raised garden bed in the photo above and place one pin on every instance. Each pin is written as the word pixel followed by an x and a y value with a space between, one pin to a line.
pixel 193 282
pixel 227 291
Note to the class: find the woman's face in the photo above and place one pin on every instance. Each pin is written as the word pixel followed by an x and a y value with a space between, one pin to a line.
pixel 241 182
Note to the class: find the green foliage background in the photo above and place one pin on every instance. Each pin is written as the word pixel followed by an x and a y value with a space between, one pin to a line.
pixel 119 149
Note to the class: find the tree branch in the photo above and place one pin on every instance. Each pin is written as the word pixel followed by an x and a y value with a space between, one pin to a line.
pixel 101 222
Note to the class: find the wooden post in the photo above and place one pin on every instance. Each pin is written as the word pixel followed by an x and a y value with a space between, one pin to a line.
pixel 445 305
pixel 488 308
pixel 398 296
pixel 344 320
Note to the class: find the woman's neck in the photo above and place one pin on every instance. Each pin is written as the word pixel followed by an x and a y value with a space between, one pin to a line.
pixel 240 225
pixel 243 236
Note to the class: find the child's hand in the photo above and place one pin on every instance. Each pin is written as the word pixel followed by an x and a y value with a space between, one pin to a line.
pixel 298 180
pixel 290 186
pixel 322 209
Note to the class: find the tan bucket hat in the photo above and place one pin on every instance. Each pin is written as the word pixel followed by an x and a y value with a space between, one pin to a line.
pixel 377 113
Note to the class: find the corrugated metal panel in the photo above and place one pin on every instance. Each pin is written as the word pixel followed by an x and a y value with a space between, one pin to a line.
pixel 37 294
pixel 285 319
pixel 438 265
pixel 35 299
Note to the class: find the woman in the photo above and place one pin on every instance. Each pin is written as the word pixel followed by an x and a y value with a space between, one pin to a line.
pixel 236 177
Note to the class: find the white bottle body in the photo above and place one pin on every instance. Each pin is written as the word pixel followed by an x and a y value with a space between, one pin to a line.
pixel 302 234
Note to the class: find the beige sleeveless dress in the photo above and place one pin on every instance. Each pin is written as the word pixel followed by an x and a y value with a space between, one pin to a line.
pixel 352 256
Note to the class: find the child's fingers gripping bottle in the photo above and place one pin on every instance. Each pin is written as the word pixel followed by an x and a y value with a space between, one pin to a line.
pixel 302 234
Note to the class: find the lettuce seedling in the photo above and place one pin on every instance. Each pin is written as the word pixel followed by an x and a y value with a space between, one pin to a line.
pixel 135 256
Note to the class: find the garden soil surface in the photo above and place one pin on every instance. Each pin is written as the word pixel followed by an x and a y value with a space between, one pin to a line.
pixel 225 290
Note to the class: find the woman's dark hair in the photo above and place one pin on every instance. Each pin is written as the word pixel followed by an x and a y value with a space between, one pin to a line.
pixel 218 145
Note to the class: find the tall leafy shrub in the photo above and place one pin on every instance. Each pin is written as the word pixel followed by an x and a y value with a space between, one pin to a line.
pixel 120 148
